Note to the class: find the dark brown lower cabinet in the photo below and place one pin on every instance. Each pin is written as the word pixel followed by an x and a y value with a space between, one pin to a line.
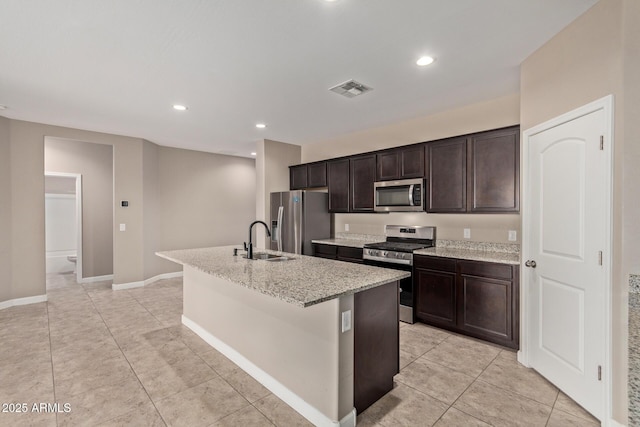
pixel 324 251
pixel 475 298
pixel 340 253
pixel 349 254
pixel 436 299
pixel 376 344
pixel 376 332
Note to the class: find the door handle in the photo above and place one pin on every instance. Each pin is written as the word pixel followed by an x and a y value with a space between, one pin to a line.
pixel 530 263
pixel 280 217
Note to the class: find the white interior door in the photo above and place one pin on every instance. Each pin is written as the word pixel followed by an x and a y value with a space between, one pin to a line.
pixel 566 277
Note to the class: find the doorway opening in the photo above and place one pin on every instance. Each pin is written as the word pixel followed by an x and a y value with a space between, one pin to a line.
pixel 78 212
pixel 63 224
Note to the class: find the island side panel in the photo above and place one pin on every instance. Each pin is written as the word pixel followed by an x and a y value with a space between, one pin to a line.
pixel 376 343
pixel 298 347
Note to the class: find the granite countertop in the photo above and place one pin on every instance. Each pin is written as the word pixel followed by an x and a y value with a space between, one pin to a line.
pixel 351 240
pixel 634 350
pixel 302 280
pixel 352 243
pixel 471 254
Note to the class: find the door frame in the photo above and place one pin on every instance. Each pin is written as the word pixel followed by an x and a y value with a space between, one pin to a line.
pixel 78 178
pixel 606 104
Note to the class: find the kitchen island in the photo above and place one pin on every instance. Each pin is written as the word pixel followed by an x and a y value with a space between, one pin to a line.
pixel 322 335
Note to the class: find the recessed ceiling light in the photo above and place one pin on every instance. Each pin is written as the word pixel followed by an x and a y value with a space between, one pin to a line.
pixel 261 125
pixel 425 60
pixel 254 154
pixel 179 107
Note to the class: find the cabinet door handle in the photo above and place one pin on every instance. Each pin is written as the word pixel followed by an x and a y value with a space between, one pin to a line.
pixel 530 263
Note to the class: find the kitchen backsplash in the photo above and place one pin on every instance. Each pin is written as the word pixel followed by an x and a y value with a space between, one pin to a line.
pixel 484 228
pixel 509 248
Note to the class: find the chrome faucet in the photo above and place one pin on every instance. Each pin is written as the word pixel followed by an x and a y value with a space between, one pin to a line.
pixel 249 248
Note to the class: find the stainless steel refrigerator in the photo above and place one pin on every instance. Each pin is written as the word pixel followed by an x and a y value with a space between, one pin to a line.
pixel 297 217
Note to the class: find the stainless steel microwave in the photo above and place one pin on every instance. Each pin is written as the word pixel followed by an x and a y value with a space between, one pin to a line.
pixel 399 196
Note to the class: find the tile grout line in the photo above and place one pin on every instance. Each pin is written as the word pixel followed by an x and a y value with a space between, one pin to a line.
pixel 515 392
pixel 125 358
pixel 469 386
pixel 53 375
pixel 176 337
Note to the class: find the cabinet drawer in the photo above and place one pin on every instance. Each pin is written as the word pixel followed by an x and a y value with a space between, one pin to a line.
pixel 434 263
pixel 349 252
pixel 485 269
pixel 324 251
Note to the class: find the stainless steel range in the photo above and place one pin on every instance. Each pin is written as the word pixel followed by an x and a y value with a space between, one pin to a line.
pixel 397 252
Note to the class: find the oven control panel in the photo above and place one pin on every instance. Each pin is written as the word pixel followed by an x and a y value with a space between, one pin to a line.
pixel 388 256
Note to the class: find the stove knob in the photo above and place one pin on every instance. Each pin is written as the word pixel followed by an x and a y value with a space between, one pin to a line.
pixel 384 253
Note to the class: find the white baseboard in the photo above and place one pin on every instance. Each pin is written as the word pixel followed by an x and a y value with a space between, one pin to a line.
pixel 522 359
pixel 614 423
pixel 290 398
pixel 162 277
pixel 94 279
pixel 141 283
pixel 130 285
pixel 23 301
pixel 350 419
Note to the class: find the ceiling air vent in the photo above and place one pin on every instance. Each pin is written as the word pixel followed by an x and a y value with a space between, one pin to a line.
pixel 350 89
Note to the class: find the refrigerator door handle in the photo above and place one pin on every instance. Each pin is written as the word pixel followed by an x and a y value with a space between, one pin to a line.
pixel 280 215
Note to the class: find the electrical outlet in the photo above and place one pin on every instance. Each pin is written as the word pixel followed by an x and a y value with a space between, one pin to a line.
pixel 346 227
pixel 513 236
pixel 346 320
pixel 467 233
pixel 123 227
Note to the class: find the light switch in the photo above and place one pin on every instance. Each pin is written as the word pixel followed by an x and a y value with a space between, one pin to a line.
pixel 512 236
pixel 346 227
pixel 346 320
pixel 123 227
pixel 467 233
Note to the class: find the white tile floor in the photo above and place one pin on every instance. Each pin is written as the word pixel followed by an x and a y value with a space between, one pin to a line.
pixel 122 358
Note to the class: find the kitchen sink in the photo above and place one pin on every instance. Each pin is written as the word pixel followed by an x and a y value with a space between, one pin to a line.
pixel 268 257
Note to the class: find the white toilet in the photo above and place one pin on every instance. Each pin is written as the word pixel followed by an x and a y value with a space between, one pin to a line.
pixel 73 259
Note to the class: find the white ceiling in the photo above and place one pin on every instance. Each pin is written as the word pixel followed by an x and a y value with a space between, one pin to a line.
pixel 119 66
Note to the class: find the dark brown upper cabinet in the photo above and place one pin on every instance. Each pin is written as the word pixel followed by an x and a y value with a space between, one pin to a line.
pixel 363 175
pixel 400 163
pixel 476 173
pixel 338 184
pixel 308 175
pixel 297 177
pixel 317 175
pixel 446 176
pixel 494 171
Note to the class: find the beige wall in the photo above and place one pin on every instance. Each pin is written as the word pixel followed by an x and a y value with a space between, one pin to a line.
pixel 95 163
pixel 272 174
pixel 153 265
pixel 194 199
pixel 27 202
pixel 631 162
pixel 588 60
pixel 204 199
pixel 5 211
pixel 487 115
